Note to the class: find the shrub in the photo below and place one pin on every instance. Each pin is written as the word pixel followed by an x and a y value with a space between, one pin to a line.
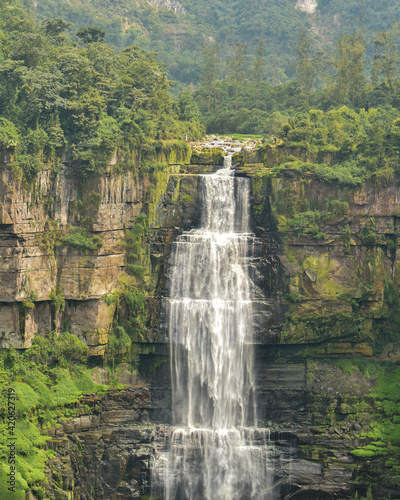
pixel 30 166
pixel 338 208
pixel 29 302
pixel 9 136
pixel 78 238
pixel 306 223
pixel 368 237
pixel 57 299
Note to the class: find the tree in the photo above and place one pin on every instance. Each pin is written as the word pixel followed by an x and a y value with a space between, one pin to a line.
pixel 54 27
pixel 349 63
pixel 259 65
pixel 210 69
pixel 91 34
pixel 236 69
pixel 386 58
pixel 187 107
pixel 308 65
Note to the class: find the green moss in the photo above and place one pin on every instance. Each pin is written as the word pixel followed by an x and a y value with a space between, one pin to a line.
pixel 320 328
pixel 384 435
pixel 286 201
pixel 187 199
pixel 210 156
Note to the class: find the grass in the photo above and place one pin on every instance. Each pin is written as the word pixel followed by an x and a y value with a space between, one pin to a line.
pixel 242 137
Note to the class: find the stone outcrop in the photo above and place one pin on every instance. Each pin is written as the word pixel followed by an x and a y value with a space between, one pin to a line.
pixel 106 450
pixel 174 5
pixel 309 6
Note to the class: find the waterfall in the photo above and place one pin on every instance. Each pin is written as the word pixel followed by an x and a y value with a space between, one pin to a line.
pixel 215 450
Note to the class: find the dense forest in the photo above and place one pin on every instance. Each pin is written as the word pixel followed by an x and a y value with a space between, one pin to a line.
pixel 67 90
pixel 86 98
pixel 178 33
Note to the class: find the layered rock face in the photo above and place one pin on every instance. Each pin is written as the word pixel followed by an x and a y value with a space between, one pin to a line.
pixel 107 449
pixel 37 261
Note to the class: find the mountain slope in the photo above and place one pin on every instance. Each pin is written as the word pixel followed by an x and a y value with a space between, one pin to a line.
pixel 177 29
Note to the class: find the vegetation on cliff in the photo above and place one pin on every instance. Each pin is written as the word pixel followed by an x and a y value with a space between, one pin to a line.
pixel 85 102
pixel 47 379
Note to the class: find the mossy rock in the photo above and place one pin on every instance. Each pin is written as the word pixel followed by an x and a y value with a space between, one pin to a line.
pixel 211 156
pixel 321 328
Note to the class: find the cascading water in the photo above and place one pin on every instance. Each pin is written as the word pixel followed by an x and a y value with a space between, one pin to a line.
pixel 215 450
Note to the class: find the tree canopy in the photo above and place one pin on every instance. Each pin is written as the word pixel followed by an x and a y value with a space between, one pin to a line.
pixel 87 102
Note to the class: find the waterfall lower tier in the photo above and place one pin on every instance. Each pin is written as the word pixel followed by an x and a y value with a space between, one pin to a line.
pixel 226 464
pixel 215 451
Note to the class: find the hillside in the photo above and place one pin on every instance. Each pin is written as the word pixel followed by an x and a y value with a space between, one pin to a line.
pixel 176 30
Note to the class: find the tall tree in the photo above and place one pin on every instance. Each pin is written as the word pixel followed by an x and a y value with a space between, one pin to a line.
pixel 54 27
pixel 259 65
pixel 210 69
pixel 349 63
pixel 386 58
pixel 308 64
pixel 91 34
pixel 236 68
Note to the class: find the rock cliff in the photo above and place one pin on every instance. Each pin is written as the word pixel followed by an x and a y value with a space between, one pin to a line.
pixel 43 253
pixel 326 265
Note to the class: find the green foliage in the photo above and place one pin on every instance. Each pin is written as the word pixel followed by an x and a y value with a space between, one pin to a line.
pixel 384 437
pixel 78 238
pixel 346 237
pixel 391 298
pixel 294 297
pixel 62 348
pixel 306 223
pixel 368 235
pixel 334 325
pixel 57 299
pixel 319 236
pixel 9 136
pixel 91 104
pixel 29 165
pixel 346 365
pixel 346 174
pixel 152 27
pixel 91 34
pixel 118 341
pixel 29 302
pixel 133 243
pixel 338 208
pixel 44 381
pixel 135 269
